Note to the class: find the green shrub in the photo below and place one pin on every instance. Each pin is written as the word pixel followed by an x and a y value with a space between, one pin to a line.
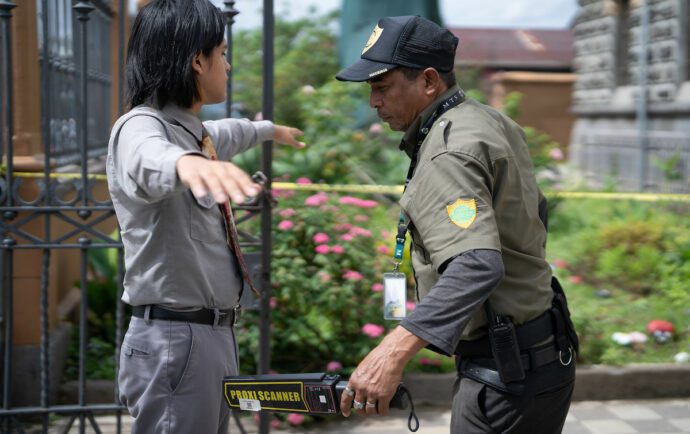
pixel 330 252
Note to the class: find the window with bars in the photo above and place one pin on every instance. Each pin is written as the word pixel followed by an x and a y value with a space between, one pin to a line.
pixel 63 66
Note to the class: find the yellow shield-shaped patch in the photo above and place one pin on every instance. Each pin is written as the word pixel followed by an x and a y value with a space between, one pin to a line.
pixel 375 35
pixel 462 212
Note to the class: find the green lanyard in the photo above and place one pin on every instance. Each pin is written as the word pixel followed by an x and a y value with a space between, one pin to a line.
pixel 456 99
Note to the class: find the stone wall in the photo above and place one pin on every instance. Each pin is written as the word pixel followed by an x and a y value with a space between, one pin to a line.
pixel 606 92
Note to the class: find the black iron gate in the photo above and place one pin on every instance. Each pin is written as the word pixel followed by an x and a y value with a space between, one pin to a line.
pixel 65 210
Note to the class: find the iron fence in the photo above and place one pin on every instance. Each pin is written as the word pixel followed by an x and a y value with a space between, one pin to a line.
pixel 46 217
pixel 614 157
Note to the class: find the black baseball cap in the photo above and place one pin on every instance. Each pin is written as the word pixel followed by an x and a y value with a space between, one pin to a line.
pixel 410 41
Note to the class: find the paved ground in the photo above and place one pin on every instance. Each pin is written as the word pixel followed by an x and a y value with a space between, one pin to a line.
pixel 588 417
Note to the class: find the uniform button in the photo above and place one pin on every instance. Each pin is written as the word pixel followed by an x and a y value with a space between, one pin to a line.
pixel 442 123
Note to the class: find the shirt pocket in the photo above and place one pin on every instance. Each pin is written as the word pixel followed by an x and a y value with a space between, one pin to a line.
pixel 205 220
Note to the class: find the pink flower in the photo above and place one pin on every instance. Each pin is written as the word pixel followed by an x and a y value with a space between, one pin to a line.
pixel 357 231
pixel 288 212
pixel 278 193
pixel 337 249
pixel 377 287
pixel 322 249
pixel 429 362
pixel 556 154
pixel 346 237
pixel 361 203
pixel 343 227
pixel 334 365
pixel 560 263
pixel 295 419
pixel 324 277
pixel 303 180
pixel 273 302
pixel 367 204
pixel 285 225
pixel 575 279
pixel 383 249
pixel 317 199
pixel 329 208
pixel 385 234
pixel 275 424
pixel 320 238
pixel 376 128
pixel 361 218
pixel 352 275
pixel 410 305
pixel 372 330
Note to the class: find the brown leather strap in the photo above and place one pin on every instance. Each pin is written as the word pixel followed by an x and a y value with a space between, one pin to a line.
pixel 230 227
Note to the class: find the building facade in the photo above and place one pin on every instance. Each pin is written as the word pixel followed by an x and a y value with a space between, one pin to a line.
pixel 633 117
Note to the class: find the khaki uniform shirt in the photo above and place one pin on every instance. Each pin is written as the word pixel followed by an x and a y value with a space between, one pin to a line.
pixel 474 188
pixel 176 252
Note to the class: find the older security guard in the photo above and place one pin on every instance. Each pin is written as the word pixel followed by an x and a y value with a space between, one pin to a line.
pixel 478 227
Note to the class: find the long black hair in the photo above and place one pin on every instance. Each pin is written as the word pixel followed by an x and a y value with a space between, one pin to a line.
pixel 166 36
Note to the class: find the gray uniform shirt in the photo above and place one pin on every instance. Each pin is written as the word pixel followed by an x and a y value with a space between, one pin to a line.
pixel 176 252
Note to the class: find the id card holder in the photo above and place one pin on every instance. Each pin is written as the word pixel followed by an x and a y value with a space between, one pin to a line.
pixel 394 296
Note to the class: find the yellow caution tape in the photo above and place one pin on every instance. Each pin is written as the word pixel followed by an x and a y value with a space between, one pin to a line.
pixel 341 188
pixel 398 189
pixel 39 175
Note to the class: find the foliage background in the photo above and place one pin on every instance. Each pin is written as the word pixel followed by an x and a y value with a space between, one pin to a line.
pixel 622 263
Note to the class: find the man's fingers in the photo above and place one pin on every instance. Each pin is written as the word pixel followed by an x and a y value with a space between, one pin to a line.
pixel 346 401
pixel 383 406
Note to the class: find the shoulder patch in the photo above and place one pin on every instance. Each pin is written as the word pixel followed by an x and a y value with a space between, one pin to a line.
pixel 462 212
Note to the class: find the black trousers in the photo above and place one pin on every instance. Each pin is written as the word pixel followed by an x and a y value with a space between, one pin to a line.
pixel 540 409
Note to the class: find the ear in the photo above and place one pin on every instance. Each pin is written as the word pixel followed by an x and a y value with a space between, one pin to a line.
pixel 432 81
pixel 198 64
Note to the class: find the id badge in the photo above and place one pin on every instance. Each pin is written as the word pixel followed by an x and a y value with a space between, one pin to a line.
pixel 394 296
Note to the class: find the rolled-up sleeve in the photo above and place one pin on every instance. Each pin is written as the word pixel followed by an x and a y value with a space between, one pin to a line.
pixel 464 286
pixel 233 136
pixel 146 160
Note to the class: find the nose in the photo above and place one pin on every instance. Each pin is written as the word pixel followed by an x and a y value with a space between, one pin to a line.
pixel 374 101
pixel 228 67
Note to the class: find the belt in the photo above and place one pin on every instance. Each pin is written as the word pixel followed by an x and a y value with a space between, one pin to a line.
pixel 531 359
pixel 528 334
pixel 212 317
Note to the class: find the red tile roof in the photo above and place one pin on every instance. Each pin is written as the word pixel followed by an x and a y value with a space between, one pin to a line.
pixel 528 49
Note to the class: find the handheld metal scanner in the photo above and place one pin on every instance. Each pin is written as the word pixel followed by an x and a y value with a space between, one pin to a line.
pixel 315 393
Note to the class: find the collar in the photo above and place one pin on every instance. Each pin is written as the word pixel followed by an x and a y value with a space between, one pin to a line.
pixel 186 118
pixel 409 140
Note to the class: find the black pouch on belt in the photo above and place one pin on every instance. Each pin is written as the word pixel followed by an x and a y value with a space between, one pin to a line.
pixel 504 347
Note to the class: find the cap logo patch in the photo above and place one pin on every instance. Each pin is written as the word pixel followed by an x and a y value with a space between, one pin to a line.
pixel 375 35
pixel 463 212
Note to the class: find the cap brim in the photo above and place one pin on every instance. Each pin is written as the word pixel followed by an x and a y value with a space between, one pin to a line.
pixel 364 70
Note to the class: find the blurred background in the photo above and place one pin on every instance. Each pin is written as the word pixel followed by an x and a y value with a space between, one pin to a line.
pixel 601 88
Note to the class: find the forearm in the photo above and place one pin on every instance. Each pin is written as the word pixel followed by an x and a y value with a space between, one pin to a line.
pixel 465 284
pixel 234 136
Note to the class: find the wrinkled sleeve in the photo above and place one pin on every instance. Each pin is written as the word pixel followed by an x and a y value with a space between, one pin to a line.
pixel 233 136
pixel 464 286
pixel 452 208
pixel 145 160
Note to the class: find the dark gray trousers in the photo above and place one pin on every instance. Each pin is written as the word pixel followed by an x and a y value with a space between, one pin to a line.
pixel 541 409
pixel 171 376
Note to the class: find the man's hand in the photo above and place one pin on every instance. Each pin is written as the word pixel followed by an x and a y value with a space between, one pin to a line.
pixel 288 136
pixel 376 379
pixel 222 179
